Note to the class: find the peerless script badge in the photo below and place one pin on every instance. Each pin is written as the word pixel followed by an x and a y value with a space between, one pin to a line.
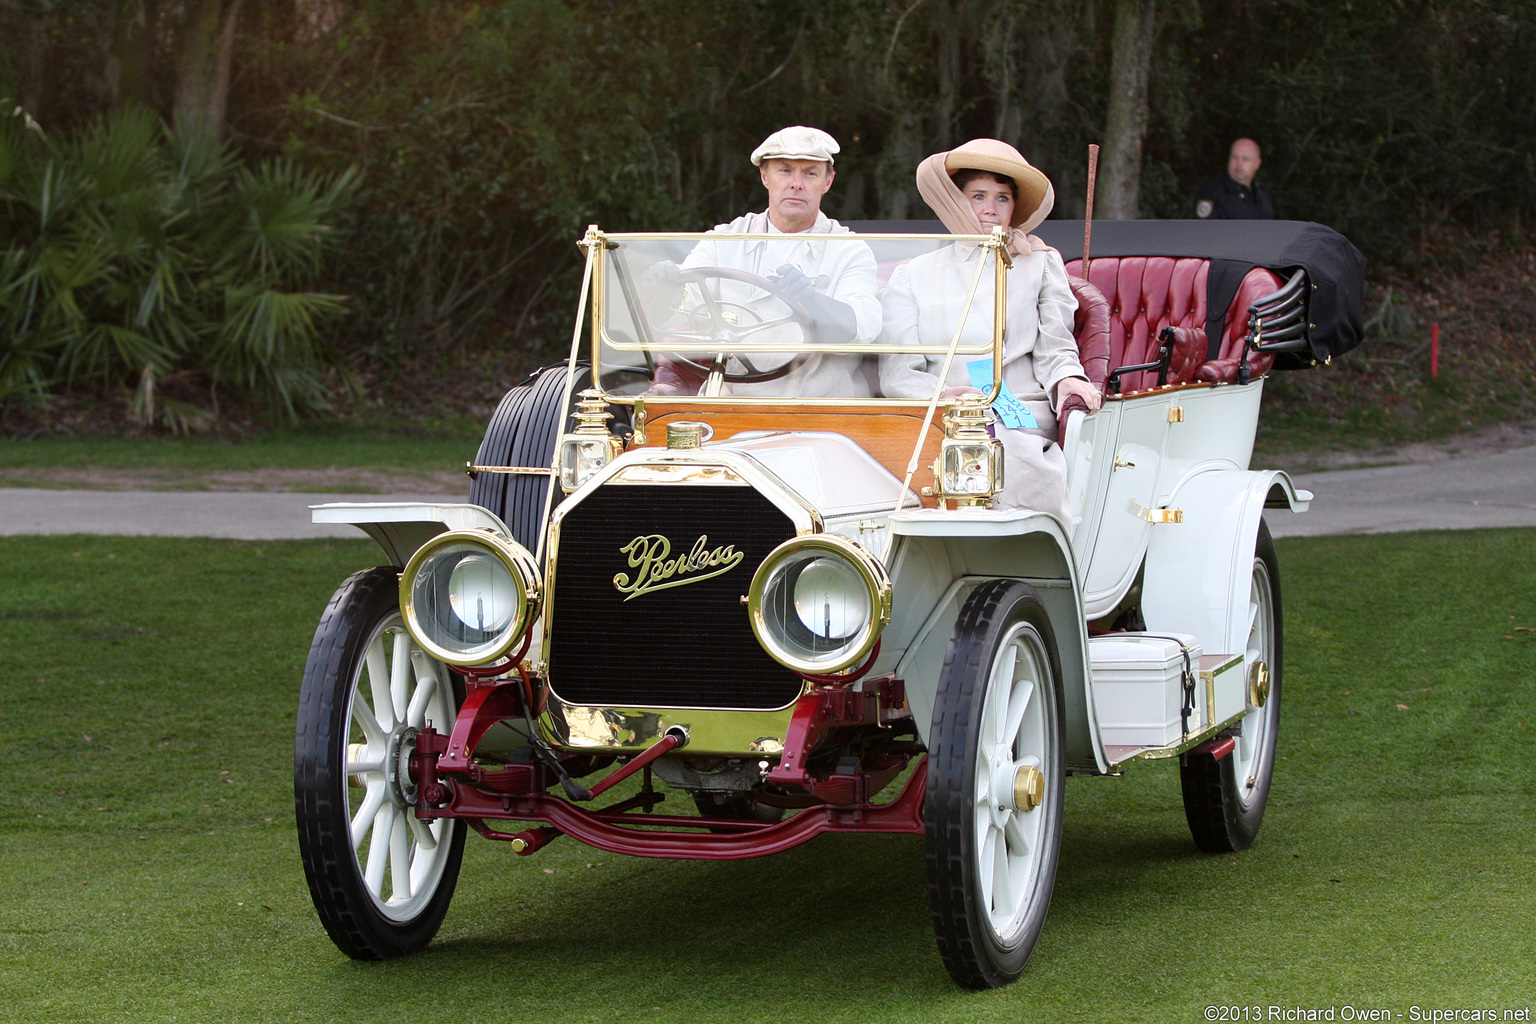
pixel 655 570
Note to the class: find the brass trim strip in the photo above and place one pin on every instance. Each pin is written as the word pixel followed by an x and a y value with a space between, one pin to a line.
pixel 1164 389
pixel 848 349
pixel 1002 262
pixel 700 236
pixel 705 401
pixel 1193 740
pixel 588 729
pixel 1219 663
pixel 531 470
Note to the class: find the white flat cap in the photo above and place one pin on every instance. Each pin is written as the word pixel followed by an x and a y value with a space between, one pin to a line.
pixel 797 143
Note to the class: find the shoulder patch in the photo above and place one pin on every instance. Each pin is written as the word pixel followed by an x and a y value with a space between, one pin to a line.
pixel 1203 208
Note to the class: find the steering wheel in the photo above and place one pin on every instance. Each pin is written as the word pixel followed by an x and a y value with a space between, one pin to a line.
pixel 737 322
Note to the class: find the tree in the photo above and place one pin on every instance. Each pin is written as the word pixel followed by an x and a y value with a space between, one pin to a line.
pixel 205 44
pixel 130 66
pixel 1125 121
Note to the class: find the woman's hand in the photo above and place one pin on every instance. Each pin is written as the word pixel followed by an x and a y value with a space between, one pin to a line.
pixel 958 390
pixel 1077 386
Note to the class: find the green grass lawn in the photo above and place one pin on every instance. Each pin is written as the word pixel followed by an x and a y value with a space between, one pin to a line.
pixel 310 447
pixel 150 868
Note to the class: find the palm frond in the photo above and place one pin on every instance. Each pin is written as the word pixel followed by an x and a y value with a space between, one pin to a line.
pixel 96 349
pixel 134 252
pixel 119 153
pixel 284 218
pixel 268 343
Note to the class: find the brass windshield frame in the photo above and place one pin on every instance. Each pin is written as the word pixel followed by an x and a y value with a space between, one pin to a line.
pixel 598 243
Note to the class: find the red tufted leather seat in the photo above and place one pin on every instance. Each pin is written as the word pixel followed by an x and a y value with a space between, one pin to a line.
pixel 1147 293
pixel 1257 283
pixel 1090 325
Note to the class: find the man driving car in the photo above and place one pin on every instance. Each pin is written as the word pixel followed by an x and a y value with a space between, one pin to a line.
pixel 823 292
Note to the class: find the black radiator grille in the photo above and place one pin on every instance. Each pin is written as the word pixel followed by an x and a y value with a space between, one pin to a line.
pixel 688 645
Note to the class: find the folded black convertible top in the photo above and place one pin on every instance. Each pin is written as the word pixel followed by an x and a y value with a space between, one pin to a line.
pixel 1335 269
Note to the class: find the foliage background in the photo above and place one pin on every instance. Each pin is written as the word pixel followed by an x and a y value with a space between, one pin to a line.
pixel 487 135
pixel 157 257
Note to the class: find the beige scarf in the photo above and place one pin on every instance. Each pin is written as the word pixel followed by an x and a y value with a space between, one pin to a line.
pixel 945 199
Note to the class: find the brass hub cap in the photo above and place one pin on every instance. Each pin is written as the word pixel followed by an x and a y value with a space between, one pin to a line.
pixel 1028 788
pixel 1258 684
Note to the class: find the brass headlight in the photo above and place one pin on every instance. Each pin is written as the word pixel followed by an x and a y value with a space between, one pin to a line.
pixel 818 603
pixel 468 595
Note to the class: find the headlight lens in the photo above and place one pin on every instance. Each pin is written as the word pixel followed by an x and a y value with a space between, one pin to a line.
pixel 468 595
pixel 818 603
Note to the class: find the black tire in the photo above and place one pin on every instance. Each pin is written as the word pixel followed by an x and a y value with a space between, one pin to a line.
pixel 1224 800
pixel 523 432
pixel 1002 628
pixel 361 636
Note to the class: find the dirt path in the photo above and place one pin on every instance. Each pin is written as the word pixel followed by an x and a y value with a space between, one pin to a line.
pixel 270 481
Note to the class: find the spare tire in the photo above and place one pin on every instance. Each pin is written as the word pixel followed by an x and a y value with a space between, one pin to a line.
pixel 523 433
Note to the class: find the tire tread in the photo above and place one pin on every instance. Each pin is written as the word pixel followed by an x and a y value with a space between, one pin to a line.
pixel 323 822
pixel 523 432
pixel 1217 821
pixel 952 903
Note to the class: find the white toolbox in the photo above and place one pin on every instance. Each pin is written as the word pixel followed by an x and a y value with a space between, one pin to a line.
pixel 1139 688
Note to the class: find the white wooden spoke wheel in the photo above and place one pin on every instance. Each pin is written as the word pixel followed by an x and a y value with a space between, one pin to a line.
pixel 1009 777
pixel 995 786
pixel 1224 799
pixel 380 877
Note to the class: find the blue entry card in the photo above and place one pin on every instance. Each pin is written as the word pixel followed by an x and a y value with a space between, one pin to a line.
pixel 1009 408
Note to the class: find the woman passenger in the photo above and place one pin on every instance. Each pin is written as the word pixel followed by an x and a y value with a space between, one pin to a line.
pixel 973 188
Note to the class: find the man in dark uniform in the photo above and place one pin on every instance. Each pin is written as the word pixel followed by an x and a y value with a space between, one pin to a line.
pixel 1235 195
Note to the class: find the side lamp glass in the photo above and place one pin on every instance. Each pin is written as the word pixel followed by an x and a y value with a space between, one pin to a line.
pixel 581 457
pixel 969 469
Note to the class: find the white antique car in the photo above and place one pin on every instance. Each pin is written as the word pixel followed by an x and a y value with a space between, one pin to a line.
pixel 789 608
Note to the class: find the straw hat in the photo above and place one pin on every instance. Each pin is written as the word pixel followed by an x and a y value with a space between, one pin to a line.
pixel 1036 196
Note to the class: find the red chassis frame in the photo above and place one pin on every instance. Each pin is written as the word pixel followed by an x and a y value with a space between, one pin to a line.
pixel 838 802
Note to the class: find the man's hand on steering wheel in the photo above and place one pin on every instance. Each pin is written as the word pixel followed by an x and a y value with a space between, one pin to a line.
pixel 663 277
pixel 729 319
pixel 835 321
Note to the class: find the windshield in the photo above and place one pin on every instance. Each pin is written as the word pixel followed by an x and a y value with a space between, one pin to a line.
pixel 825 317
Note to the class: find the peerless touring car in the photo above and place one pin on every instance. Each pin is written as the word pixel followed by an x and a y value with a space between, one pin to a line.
pixel 810 615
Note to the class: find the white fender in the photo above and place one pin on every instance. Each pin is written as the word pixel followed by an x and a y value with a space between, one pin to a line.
pixel 1198 571
pixel 938 557
pixel 400 527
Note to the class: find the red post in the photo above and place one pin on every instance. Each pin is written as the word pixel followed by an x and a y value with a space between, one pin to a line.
pixel 1434 349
